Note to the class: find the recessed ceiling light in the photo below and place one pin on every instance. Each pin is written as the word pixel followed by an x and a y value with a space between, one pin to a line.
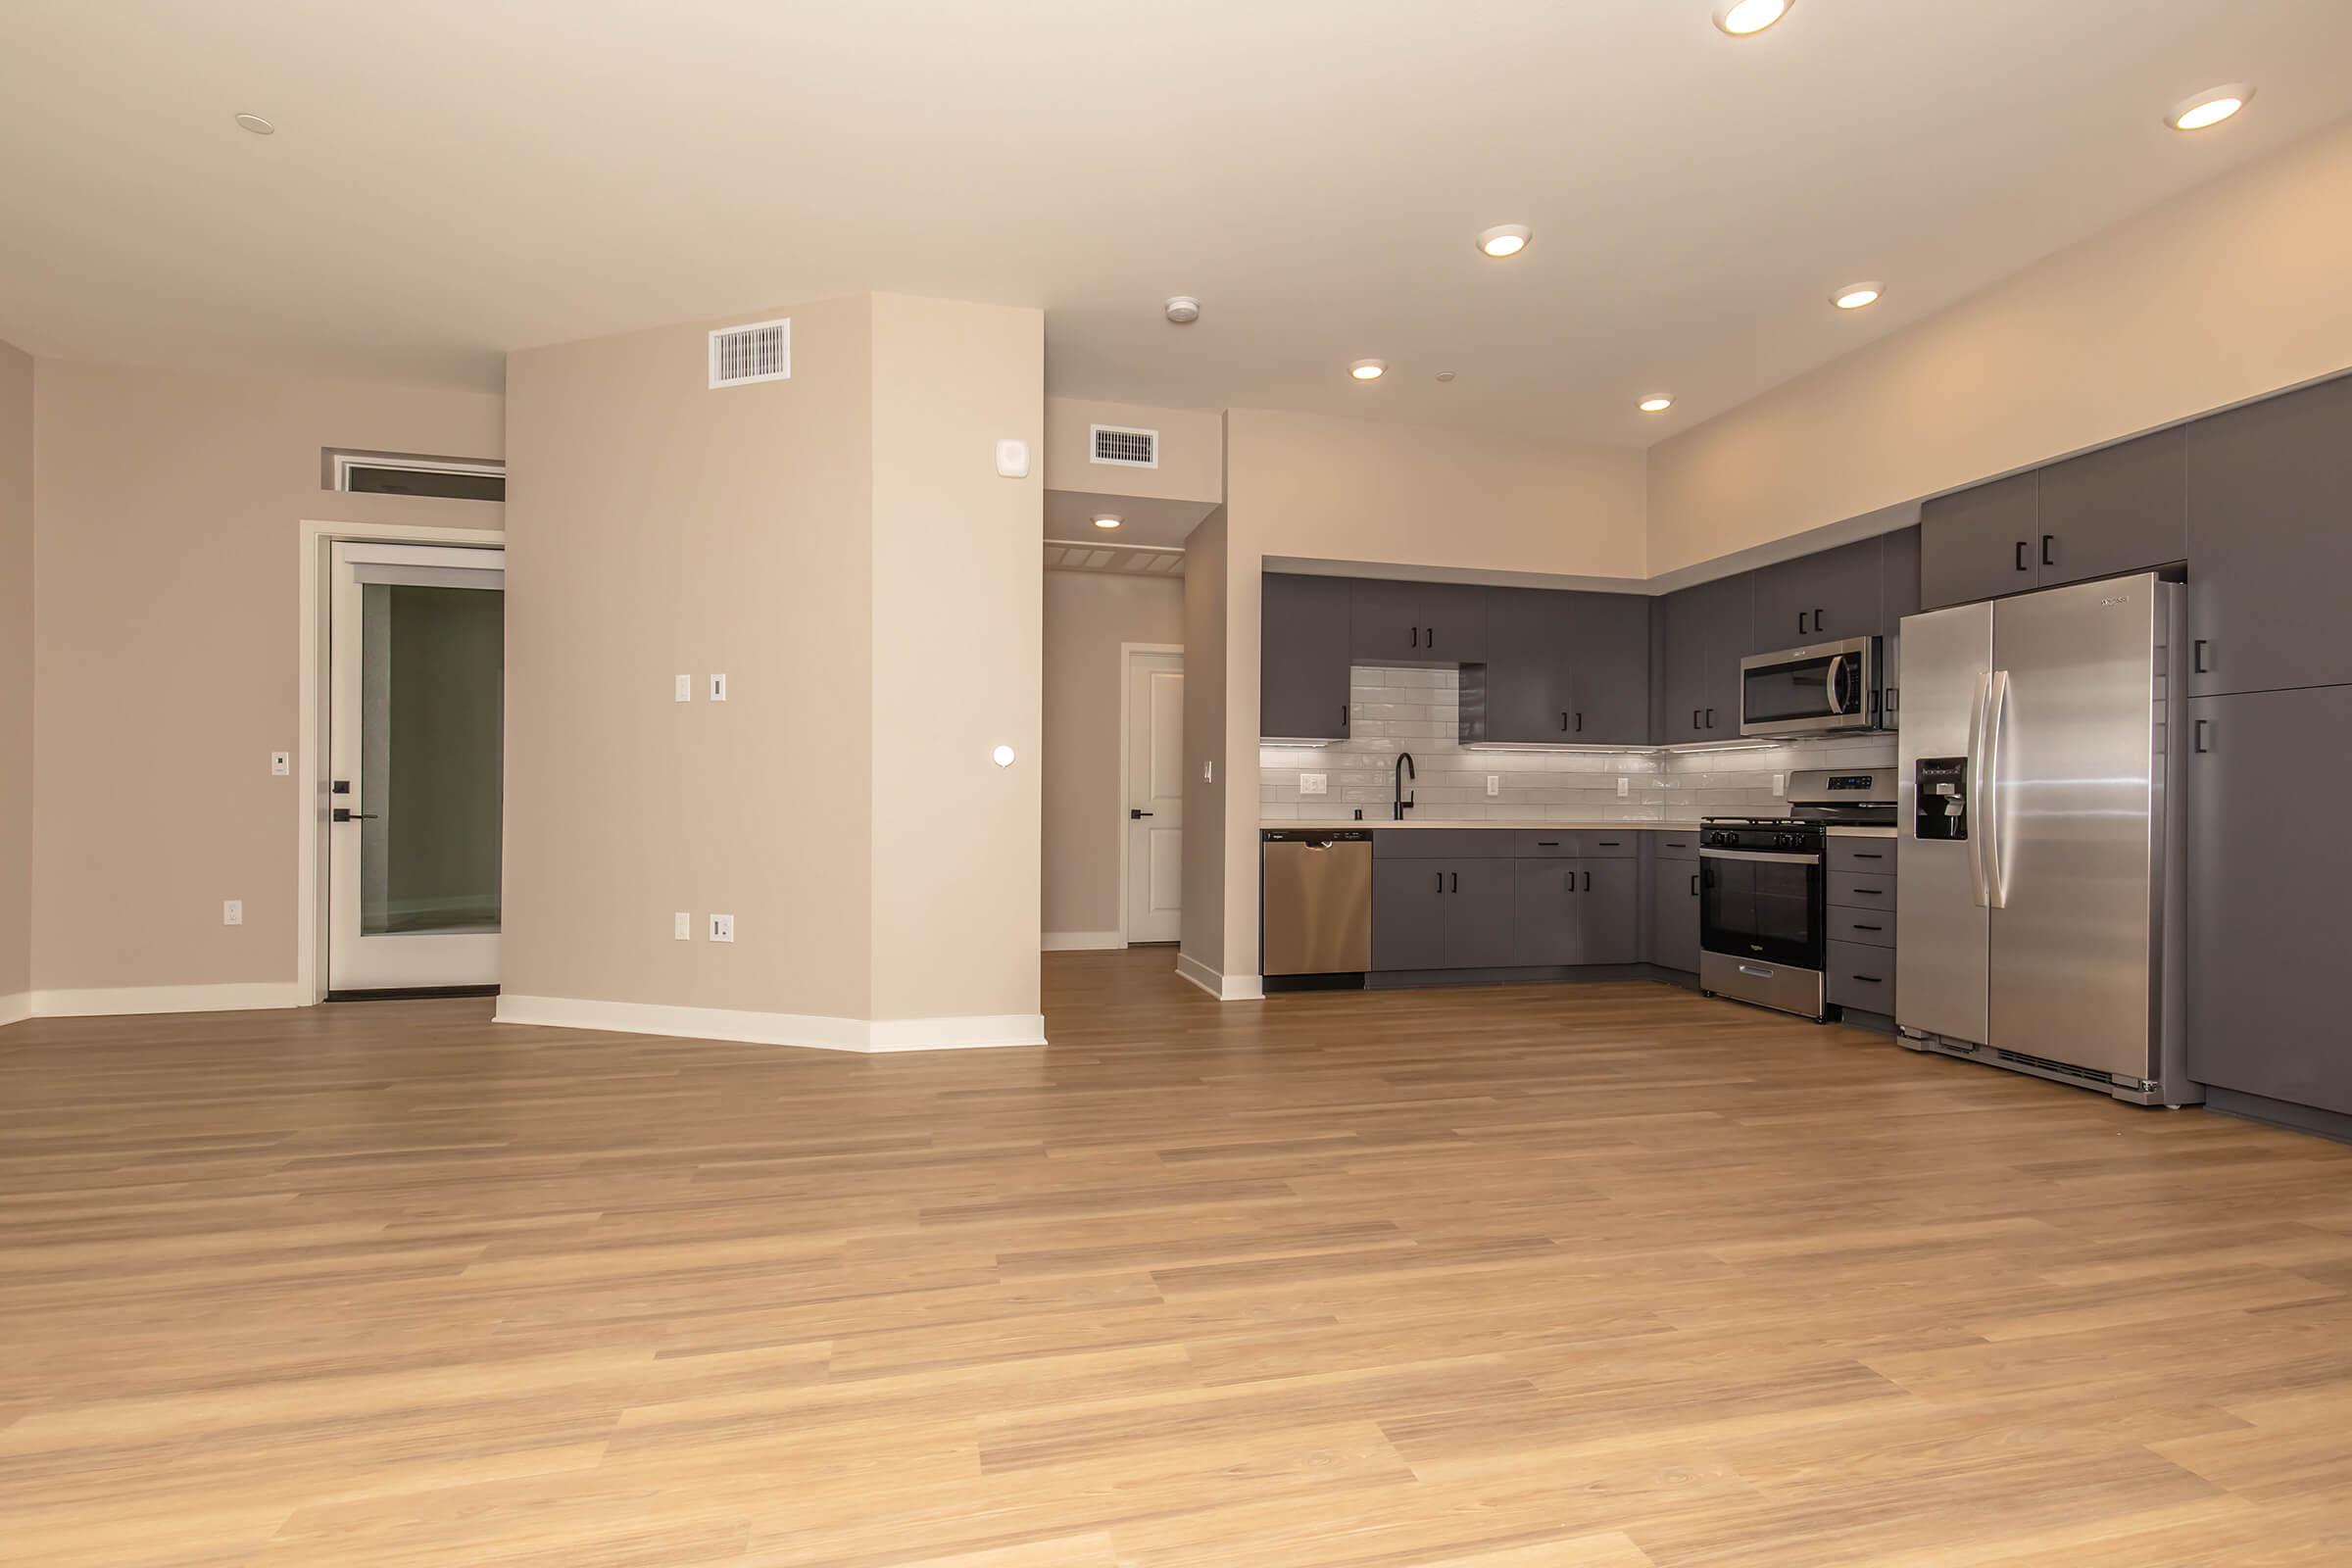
pixel 257 125
pixel 1368 369
pixel 2210 107
pixel 1854 296
pixel 1106 520
pixel 1504 239
pixel 1183 310
pixel 1743 18
pixel 1446 376
pixel 1655 403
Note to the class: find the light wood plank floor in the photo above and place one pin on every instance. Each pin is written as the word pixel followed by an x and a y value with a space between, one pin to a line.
pixel 1490 1279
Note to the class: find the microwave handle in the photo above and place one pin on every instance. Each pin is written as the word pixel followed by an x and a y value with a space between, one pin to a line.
pixel 1837 685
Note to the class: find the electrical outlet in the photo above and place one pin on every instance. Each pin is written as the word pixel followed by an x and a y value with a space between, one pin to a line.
pixel 1779 783
pixel 718 688
pixel 723 928
pixel 1494 784
pixel 1314 783
pixel 685 689
pixel 681 926
pixel 1624 786
pixel 232 911
pixel 282 764
pixel 1209 772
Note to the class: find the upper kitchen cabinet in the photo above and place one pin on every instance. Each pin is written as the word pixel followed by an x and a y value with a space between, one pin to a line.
pixel 2270 543
pixel 1304 636
pixel 1899 588
pixel 1980 543
pixel 2111 512
pixel 1417 622
pixel 1704 631
pixel 1566 668
pixel 1818 597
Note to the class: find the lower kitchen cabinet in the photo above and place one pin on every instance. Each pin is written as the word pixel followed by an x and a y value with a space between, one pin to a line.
pixel 2266 896
pixel 1861 976
pixel 1673 914
pixel 1442 913
pixel 1577 912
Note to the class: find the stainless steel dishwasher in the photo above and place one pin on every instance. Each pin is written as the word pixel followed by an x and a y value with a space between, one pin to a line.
pixel 1318 901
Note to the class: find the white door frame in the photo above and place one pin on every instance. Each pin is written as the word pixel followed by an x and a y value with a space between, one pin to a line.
pixel 1127 652
pixel 311 779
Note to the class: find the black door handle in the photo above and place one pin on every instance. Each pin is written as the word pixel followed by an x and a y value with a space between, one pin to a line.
pixel 1441 881
pixel 2020 556
pixel 1695 884
pixel 1433 636
pixel 1416 636
pixel 2202 725
pixel 1135 814
pixel 1588 881
pixel 2047 540
pixel 1870 979
pixel 1859 927
pixel 1817 622
pixel 342 786
pixel 346 815
pixel 1710 719
pixel 2196 661
pixel 1563 720
pixel 1458 883
pixel 1695 724
pixel 1800 623
pixel 1580 723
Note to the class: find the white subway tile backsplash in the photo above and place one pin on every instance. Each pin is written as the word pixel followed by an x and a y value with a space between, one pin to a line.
pixel 1418 710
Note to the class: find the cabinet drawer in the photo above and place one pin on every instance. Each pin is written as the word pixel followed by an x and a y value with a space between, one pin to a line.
pixel 1540 843
pixel 1869 857
pixel 1861 977
pixel 1681 845
pixel 1445 844
pixel 1856 890
pixel 1873 928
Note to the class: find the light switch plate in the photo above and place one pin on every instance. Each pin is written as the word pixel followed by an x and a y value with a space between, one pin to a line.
pixel 1314 783
pixel 282 764
pixel 685 688
pixel 723 928
pixel 1494 784
pixel 718 688
pixel 232 911
pixel 681 926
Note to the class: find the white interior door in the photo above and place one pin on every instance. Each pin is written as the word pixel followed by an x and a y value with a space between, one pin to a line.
pixel 416 752
pixel 1154 797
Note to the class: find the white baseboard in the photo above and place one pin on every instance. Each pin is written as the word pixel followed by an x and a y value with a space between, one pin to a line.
pixel 122 1001
pixel 776 1028
pixel 1223 987
pixel 1082 940
pixel 14 1008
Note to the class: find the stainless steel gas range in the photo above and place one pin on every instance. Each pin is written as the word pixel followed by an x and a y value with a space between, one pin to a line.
pixel 1763 890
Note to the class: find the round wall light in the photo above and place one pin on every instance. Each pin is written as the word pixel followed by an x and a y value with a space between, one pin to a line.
pixel 1002 757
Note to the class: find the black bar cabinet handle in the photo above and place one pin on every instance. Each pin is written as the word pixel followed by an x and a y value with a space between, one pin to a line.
pixel 1563 720
pixel 1441 881
pixel 2020 556
pixel 1859 927
pixel 1817 622
pixel 1695 884
pixel 1800 623
pixel 1580 723
pixel 1588 881
pixel 1433 636
pixel 1870 979
pixel 2196 661
pixel 1458 883
pixel 1416 636
pixel 2047 540
pixel 1710 719
pixel 1695 724
pixel 2202 725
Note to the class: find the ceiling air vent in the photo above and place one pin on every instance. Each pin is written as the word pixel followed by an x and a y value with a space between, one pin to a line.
pixel 1127 448
pixel 758 352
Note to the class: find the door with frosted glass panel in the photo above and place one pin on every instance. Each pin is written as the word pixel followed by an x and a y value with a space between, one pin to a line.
pixel 416 734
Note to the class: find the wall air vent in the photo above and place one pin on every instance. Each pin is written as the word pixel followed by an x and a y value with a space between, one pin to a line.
pixel 760 351
pixel 1124 447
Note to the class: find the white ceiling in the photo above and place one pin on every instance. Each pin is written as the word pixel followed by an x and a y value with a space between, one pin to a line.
pixel 452 178
pixel 1142 520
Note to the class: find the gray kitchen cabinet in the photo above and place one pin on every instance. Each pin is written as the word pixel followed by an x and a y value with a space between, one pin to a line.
pixel 1871 928
pixel 1865 854
pixel 1854 890
pixel 2264 897
pixel 1417 622
pixel 2111 512
pixel 1860 976
pixel 1609 920
pixel 1674 913
pixel 1823 597
pixel 1980 543
pixel 1704 633
pixel 1606 652
pixel 1549 911
pixel 1441 913
pixel 1899 588
pixel 2269 494
pixel 1302 690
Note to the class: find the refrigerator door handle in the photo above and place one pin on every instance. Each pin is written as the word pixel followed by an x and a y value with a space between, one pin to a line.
pixel 1997 873
pixel 1976 791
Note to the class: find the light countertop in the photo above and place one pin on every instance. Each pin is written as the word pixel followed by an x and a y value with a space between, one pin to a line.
pixel 1851 830
pixel 1385 824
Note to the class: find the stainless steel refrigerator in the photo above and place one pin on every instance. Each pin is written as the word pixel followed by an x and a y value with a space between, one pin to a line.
pixel 2037 923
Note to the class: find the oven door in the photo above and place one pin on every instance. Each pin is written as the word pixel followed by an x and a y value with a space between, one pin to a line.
pixel 1762 904
pixel 1811 691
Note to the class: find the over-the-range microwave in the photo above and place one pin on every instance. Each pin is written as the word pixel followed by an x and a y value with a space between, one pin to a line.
pixel 1822 689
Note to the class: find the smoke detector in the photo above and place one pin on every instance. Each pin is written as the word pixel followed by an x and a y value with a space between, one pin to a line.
pixel 1183 310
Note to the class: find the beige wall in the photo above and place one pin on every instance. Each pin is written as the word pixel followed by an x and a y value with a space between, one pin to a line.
pixel 657 527
pixel 1356 490
pixel 1192 451
pixel 1206 578
pixel 168 519
pixel 841 547
pixel 16 680
pixel 1089 615
pixel 2232 291
pixel 957 659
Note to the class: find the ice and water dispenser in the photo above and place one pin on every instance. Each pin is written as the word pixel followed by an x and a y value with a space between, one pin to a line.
pixel 1943 798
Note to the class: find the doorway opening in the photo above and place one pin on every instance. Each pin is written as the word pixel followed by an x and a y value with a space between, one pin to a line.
pixel 1152 761
pixel 413 769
